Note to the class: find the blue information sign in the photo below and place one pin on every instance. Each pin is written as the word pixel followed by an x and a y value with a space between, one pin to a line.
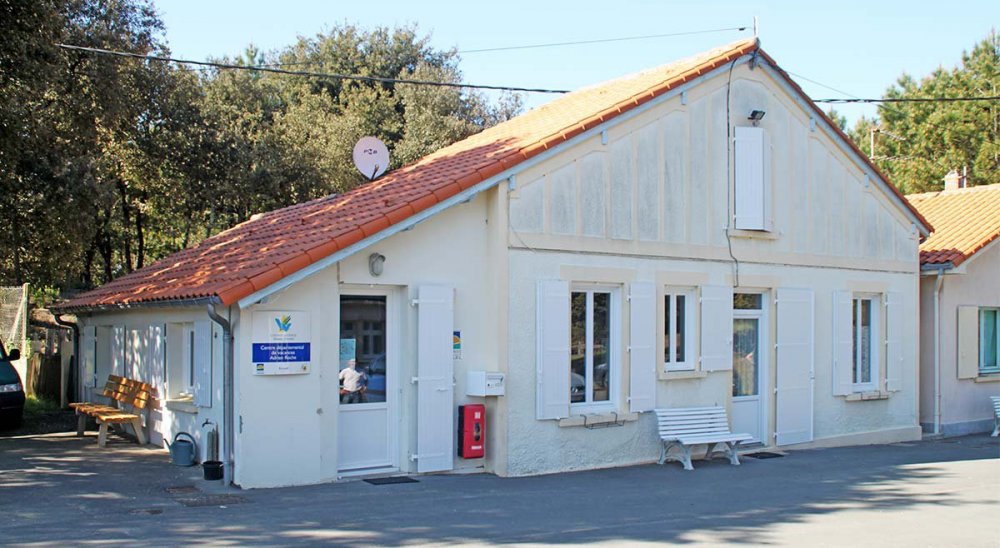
pixel 281 352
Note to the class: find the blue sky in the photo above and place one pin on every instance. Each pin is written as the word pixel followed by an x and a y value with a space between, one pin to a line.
pixel 856 47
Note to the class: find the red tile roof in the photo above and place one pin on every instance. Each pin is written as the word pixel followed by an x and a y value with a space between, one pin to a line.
pixel 965 221
pixel 255 254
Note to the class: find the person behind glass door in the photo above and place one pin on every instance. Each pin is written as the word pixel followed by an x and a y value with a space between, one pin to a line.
pixel 352 383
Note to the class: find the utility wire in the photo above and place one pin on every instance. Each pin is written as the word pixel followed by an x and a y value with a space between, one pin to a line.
pixel 822 85
pixel 601 41
pixel 228 66
pixel 911 100
pixel 336 76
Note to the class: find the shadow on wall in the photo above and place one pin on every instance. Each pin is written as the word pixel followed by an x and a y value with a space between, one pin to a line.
pixel 47 476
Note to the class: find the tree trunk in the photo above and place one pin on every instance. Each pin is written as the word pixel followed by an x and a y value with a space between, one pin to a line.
pixel 140 239
pixel 126 224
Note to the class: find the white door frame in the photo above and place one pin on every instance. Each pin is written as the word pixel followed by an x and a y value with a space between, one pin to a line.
pixel 393 347
pixel 764 356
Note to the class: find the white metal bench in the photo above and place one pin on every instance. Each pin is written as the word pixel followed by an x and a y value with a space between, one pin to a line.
pixel 996 415
pixel 685 427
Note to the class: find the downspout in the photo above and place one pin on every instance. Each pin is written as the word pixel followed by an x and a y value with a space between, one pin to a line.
pixel 227 407
pixel 63 398
pixel 938 283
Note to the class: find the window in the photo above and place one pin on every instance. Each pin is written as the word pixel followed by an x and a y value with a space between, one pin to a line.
pixel 989 340
pixel 189 358
pixel 864 329
pixel 678 325
pixel 593 340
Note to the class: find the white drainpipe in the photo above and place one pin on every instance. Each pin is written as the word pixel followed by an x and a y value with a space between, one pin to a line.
pixel 938 283
pixel 228 408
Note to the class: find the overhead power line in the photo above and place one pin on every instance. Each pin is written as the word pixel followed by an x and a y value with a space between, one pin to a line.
pixel 601 40
pixel 911 100
pixel 334 76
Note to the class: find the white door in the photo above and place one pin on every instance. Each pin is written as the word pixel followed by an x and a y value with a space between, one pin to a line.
pixel 366 434
pixel 749 365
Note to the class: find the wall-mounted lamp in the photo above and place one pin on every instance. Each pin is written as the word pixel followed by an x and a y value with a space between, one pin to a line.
pixel 376 262
pixel 755 116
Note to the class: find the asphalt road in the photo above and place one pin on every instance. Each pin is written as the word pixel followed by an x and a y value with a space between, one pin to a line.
pixel 59 490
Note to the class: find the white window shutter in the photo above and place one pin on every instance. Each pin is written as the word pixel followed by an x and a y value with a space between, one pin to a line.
pixel 117 345
pixel 749 172
pixel 968 342
pixel 88 357
pixel 552 328
pixel 894 355
pixel 766 185
pixel 716 328
pixel 435 378
pixel 843 343
pixel 156 353
pixel 203 363
pixel 642 347
pixel 795 362
pixel 134 359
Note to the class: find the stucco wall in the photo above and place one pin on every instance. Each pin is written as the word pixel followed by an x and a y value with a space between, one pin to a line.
pixel 965 404
pixel 658 187
pixel 543 446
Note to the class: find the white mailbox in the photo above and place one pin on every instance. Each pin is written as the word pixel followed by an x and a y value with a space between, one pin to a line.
pixel 484 383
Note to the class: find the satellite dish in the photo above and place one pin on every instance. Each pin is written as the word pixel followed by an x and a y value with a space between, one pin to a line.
pixel 371 157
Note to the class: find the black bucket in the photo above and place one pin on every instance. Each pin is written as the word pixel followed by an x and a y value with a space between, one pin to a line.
pixel 213 469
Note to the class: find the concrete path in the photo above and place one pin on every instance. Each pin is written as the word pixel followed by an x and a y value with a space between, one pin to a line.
pixel 59 489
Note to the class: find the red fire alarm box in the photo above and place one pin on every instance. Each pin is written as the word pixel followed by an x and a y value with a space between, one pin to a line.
pixel 471 431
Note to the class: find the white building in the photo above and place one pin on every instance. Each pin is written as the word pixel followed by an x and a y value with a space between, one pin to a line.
pixel 637 244
pixel 959 308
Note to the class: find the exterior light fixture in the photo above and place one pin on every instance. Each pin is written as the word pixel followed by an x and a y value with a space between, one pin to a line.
pixel 376 262
pixel 755 116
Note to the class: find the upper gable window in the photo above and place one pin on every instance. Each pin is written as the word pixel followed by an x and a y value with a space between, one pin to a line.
pixel 753 179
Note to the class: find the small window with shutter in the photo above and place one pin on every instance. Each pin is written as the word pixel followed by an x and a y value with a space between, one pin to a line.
pixel 752 153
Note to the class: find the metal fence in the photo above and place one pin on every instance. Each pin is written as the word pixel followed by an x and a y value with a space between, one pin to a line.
pixel 14 322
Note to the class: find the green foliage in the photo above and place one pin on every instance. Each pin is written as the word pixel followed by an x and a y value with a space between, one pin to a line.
pixel 43 296
pixel 917 144
pixel 107 164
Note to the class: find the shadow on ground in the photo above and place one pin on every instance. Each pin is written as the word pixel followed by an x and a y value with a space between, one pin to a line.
pixel 61 489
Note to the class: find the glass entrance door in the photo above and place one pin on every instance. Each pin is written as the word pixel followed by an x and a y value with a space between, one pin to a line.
pixel 749 361
pixel 364 427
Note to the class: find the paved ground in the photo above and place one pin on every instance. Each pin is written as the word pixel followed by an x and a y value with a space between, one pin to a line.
pixel 58 490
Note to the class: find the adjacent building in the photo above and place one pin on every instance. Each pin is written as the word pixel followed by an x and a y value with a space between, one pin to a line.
pixel 959 307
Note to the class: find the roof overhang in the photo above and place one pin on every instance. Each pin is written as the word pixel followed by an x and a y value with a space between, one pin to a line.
pixel 173 303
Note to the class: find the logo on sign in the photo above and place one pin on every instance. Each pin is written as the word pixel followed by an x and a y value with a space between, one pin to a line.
pixel 284 323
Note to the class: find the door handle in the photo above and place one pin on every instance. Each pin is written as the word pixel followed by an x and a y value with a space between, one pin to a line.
pixel 442 389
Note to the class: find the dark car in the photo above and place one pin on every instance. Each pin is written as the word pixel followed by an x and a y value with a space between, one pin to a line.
pixel 11 389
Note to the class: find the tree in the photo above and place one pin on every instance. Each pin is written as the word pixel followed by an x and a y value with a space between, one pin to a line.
pixel 107 164
pixel 917 143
